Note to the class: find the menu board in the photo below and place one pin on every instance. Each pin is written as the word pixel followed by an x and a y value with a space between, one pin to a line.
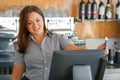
pixel 59 23
pixel 9 24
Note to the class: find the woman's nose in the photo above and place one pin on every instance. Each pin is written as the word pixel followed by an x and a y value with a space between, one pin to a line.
pixel 34 24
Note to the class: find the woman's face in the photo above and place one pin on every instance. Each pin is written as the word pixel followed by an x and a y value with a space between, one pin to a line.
pixel 35 24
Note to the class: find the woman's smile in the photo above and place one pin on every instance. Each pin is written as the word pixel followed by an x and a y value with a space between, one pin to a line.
pixel 36 29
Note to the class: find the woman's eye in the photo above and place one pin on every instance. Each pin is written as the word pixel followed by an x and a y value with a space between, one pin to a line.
pixel 37 20
pixel 29 23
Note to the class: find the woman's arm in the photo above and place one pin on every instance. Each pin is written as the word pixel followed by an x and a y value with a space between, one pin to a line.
pixel 74 47
pixel 17 73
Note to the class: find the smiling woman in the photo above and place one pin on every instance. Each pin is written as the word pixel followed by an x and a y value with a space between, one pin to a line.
pixel 35 46
pixel 35 24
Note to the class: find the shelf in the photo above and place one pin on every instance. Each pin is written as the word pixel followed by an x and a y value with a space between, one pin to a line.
pixel 96 20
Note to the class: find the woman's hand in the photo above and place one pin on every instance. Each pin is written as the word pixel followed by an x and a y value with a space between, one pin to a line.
pixel 102 46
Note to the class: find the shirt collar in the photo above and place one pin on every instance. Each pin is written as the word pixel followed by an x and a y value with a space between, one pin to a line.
pixel 46 34
pixel 32 37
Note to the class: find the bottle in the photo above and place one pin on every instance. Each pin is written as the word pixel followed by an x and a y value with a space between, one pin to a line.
pixel 101 11
pixel 82 10
pixel 94 10
pixel 88 10
pixel 108 10
pixel 117 16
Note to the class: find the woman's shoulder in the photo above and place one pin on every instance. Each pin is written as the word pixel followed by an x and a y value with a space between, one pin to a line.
pixel 55 35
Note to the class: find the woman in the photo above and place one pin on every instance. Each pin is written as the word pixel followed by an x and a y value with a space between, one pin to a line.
pixel 35 46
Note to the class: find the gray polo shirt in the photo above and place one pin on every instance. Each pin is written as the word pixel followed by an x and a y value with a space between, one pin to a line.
pixel 37 58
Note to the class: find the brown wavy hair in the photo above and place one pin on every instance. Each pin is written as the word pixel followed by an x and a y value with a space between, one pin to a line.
pixel 23 35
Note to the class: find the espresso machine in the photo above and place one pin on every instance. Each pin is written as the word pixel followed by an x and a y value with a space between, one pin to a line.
pixel 8 34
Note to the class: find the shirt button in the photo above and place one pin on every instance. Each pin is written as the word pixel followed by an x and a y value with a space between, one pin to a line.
pixel 43 54
pixel 46 69
pixel 45 61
